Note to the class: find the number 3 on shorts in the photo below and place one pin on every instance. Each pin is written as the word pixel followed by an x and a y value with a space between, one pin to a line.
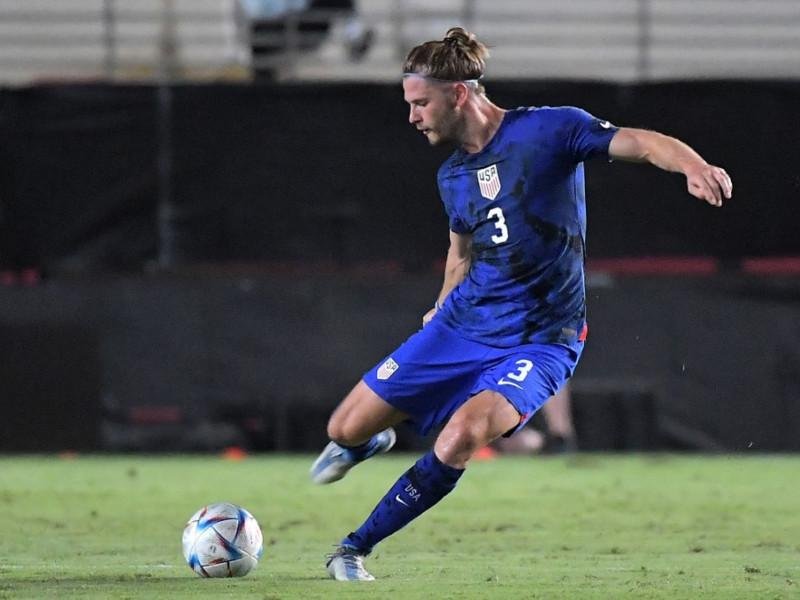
pixel 523 368
pixel 500 224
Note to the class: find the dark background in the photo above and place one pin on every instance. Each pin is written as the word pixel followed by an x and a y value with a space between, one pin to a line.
pixel 335 172
pixel 199 266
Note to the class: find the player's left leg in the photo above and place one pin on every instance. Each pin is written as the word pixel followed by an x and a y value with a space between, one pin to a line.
pixel 421 382
pixel 360 427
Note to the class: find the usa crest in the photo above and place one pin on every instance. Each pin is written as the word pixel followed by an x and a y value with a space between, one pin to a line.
pixel 387 369
pixel 489 182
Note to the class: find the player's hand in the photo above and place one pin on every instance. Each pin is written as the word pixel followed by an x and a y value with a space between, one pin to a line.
pixel 428 316
pixel 709 183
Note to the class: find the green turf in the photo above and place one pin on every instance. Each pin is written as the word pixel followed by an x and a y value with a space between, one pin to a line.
pixel 586 527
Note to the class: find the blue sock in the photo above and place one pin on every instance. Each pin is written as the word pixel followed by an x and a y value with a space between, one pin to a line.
pixel 363 451
pixel 418 489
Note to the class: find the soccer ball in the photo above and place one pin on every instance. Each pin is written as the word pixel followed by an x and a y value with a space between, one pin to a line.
pixel 222 540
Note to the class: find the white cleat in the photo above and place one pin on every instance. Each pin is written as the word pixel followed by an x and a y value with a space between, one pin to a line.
pixel 334 462
pixel 347 565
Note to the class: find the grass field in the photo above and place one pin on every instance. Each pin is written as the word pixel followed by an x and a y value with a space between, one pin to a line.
pixel 591 526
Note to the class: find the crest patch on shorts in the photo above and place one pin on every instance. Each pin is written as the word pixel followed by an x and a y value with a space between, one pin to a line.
pixel 387 369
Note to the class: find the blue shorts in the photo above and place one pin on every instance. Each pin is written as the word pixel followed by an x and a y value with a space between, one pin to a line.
pixel 436 371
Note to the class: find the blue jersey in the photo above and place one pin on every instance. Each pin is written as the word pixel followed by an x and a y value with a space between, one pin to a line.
pixel 522 200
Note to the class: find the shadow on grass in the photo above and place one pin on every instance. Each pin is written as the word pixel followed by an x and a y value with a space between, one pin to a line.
pixel 93 580
pixel 142 580
pixel 176 587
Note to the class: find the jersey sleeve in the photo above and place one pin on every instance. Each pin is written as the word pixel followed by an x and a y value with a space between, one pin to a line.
pixel 587 136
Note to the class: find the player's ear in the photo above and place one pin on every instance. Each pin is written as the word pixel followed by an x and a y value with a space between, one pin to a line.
pixel 460 93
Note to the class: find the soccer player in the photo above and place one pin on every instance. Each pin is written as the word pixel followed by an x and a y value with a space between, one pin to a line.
pixel 508 326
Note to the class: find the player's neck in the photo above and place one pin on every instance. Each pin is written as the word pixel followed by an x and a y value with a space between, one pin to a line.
pixel 482 121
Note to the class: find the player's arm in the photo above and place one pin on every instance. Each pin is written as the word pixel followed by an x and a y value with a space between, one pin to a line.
pixel 704 181
pixel 455 269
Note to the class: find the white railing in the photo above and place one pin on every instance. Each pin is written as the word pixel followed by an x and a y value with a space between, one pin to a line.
pixel 626 40
pixel 117 39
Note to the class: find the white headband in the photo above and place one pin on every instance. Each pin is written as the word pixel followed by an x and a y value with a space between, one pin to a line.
pixel 467 81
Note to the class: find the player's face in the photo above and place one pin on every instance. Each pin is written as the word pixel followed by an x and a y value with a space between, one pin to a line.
pixel 432 109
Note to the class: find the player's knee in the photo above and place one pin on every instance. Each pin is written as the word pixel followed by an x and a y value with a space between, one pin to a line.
pixel 459 440
pixel 337 431
pixel 345 431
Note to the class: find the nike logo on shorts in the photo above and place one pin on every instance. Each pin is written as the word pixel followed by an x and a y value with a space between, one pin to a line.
pixel 504 381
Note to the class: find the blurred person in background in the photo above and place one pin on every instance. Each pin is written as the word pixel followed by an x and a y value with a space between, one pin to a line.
pixel 556 437
pixel 266 29
pixel 509 324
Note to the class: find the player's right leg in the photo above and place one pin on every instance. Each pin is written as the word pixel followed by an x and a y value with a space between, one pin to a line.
pixel 360 427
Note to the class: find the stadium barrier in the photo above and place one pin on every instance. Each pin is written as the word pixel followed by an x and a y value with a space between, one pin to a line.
pixel 200 361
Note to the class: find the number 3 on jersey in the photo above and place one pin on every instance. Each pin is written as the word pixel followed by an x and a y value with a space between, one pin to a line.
pixel 500 224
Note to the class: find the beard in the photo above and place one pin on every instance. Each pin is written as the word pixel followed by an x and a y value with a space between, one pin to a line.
pixel 446 132
pixel 435 139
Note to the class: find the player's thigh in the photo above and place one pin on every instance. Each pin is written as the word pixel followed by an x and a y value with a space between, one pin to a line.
pixel 429 376
pixel 480 420
pixel 361 415
pixel 529 376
